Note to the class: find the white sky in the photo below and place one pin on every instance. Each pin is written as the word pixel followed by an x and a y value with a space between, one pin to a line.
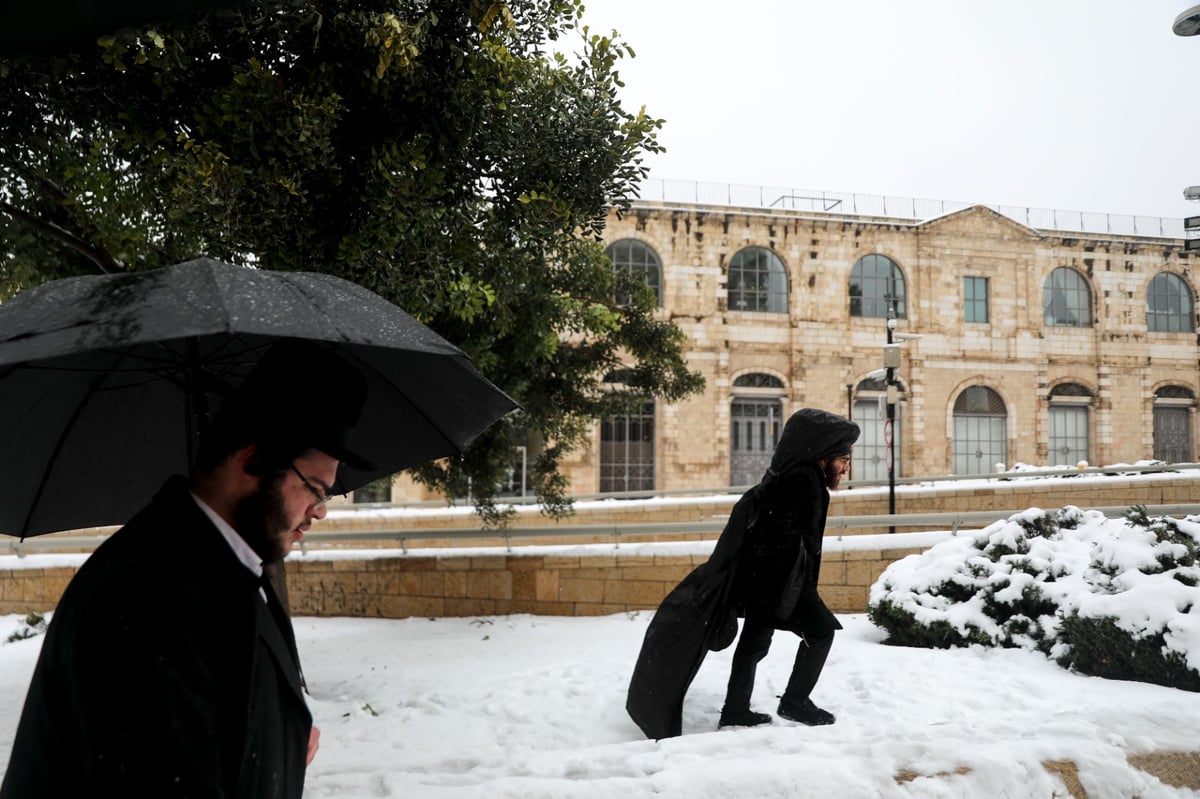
pixel 1081 105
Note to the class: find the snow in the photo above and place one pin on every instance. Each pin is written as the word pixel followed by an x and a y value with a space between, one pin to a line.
pixel 522 707
pixel 525 706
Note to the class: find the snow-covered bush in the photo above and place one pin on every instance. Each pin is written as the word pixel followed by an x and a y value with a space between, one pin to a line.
pixel 1110 597
pixel 33 624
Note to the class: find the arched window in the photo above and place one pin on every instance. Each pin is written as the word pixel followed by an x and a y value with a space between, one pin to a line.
pixel 1173 424
pixel 757 380
pixel 619 378
pixel 980 431
pixel 636 259
pixel 755 422
pixel 1069 439
pixel 876 285
pixel 757 281
pixel 1067 299
pixel 1169 305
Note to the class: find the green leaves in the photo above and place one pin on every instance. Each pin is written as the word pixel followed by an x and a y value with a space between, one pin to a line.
pixel 33 625
pixel 468 298
pixel 433 151
pixel 394 42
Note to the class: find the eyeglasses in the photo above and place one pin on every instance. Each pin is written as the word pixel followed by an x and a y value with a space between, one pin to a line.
pixel 318 494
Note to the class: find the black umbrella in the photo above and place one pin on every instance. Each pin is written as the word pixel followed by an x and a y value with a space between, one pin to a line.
pixel 106 381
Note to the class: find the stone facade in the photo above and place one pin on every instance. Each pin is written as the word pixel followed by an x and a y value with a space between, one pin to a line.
pixel 820 355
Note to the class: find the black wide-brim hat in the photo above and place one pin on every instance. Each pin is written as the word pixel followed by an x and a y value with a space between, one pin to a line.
pixel 299 396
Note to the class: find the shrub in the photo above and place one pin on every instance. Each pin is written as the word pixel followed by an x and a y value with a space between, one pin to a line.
pixel 31 625
pixel 905 631
pixel 1100 647
pixel 1112 598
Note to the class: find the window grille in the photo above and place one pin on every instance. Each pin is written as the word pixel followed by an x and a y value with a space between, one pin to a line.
pixel 876 283
pixel 757 281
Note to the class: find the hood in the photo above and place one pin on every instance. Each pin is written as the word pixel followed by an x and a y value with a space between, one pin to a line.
pixel 811 435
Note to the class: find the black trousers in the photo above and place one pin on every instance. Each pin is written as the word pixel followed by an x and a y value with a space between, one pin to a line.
pixel 752 647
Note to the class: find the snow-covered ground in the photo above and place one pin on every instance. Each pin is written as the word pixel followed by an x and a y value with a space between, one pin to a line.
pixel 524 707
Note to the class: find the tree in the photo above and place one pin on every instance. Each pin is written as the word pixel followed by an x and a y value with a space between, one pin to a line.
pixel 441 153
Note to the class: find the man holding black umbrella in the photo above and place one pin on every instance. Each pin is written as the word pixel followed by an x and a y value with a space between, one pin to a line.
pixel 170 668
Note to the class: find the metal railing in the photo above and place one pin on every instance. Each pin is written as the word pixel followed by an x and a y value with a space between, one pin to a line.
pixel 927 481
pixel 834 525
pixel 942 521
pixel 907 208
pixel 615 533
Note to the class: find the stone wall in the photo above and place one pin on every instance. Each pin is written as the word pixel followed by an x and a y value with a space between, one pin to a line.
pixel 31 588
pixel 482 584
pixel 547 585
pixel 608 573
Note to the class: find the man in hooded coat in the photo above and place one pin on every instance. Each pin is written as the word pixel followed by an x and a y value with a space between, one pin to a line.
pixel 766 566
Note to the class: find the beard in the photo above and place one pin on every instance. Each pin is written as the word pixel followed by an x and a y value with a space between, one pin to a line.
pixel 261 520
pixel 832 476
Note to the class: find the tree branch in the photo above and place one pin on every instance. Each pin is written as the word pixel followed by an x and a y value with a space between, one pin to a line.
pixel 97 255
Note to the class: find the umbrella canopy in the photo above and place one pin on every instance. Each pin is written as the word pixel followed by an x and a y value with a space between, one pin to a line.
pixel 105 382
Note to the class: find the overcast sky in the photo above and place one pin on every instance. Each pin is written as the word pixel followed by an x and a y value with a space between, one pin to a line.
pixel 1081 105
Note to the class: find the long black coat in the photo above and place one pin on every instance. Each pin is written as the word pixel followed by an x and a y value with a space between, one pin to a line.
pixel 699 615
pixel 781 556
pixel 163 674
pixel 766 563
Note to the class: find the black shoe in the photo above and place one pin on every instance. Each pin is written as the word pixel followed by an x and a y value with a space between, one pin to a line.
pixel 805 713
pixel 743 718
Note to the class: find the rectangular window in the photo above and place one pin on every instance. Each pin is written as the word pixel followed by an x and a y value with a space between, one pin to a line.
pixel 871 456
pixel 975 299
pixel 627 451
pixel 755 425
pixel 1068 435
pixel 1173 434
pixel 980 443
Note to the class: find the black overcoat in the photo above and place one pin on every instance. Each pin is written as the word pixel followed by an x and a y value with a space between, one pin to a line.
pixel 699 615
pixel 766 563
pixel 781 556
pixel 164 674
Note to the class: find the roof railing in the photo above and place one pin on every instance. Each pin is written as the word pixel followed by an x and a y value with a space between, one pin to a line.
pixel 847 204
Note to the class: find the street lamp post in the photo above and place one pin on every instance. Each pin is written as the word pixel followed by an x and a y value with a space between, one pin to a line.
pixel 850 415
pixel 1187 23
pixel 891 362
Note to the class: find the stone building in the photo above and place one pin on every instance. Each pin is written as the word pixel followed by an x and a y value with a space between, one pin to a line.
pixel 1016 344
